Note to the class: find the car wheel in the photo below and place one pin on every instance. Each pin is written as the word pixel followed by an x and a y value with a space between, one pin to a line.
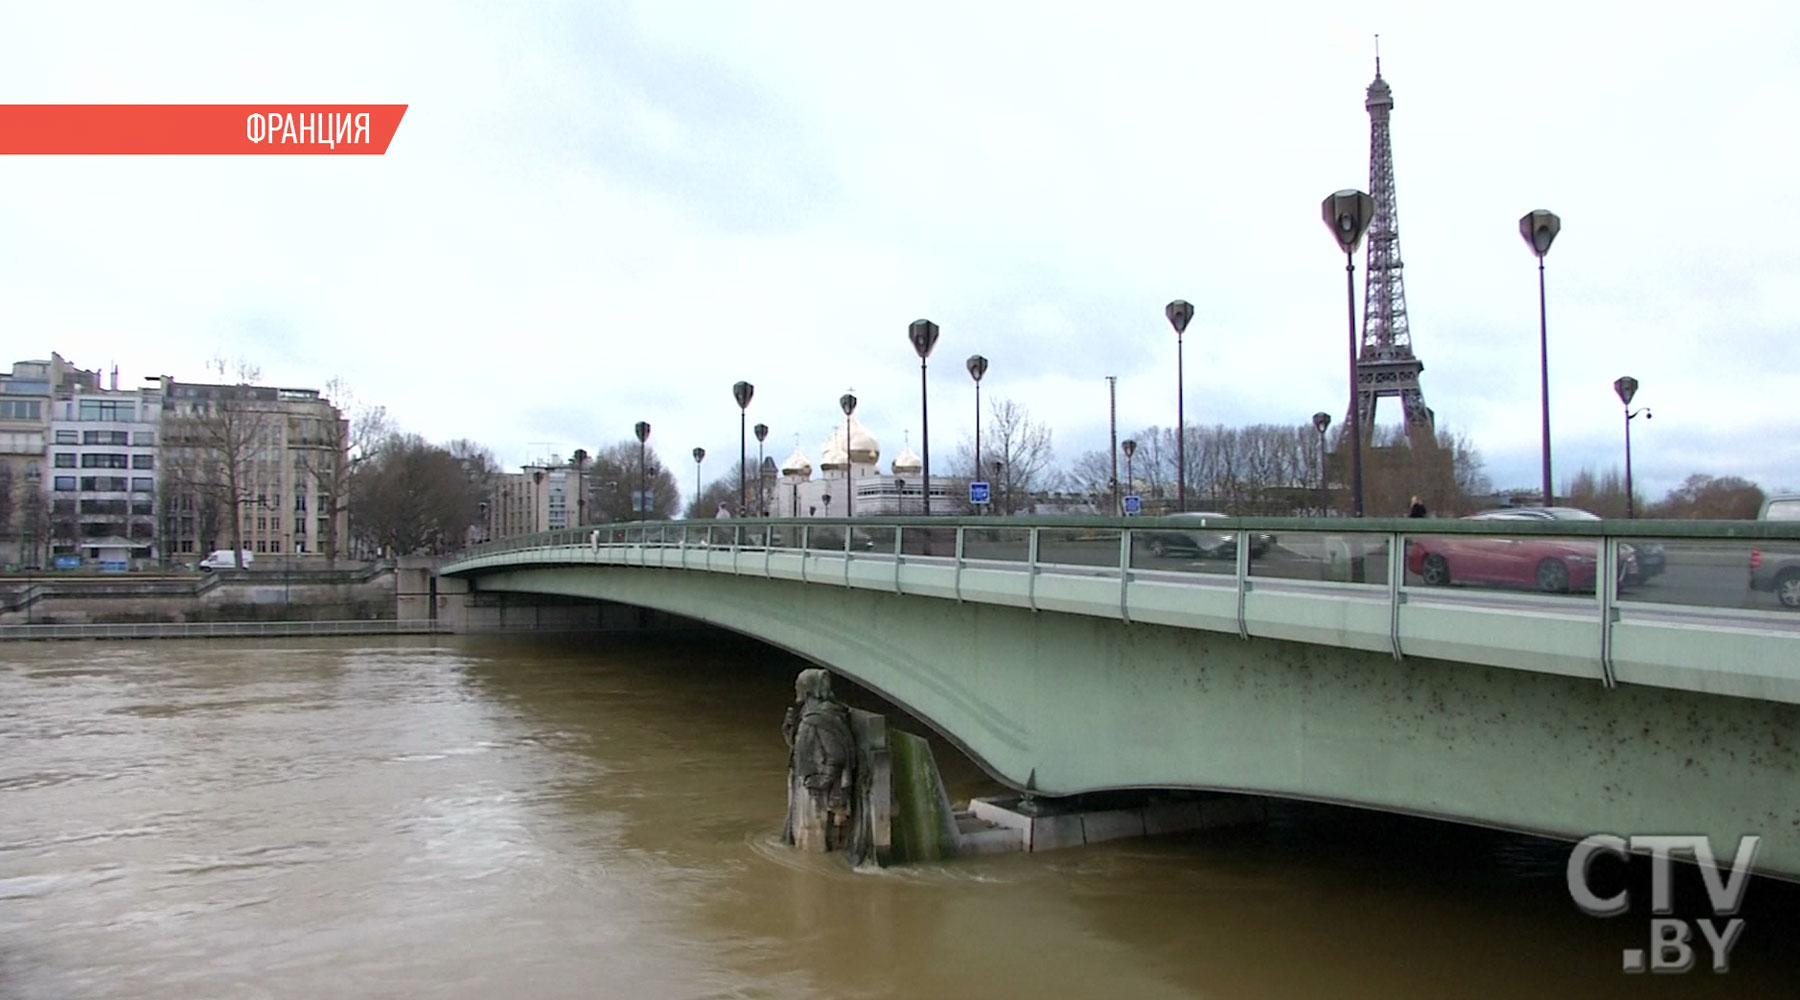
pixel 1553 576
pixel 1157 548
pixel 1435 570
pixel 1787 588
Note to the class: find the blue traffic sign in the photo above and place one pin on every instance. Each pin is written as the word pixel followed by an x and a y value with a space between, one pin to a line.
pixel 1133 504
pixel 978 493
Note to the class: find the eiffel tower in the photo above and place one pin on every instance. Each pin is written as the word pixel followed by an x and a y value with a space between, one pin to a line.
pixel 1386 365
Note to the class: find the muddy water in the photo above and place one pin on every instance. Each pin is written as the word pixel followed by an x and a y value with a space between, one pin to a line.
pixel 478 818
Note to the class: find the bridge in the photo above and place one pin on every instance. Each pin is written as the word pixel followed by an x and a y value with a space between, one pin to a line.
pixel 1299 658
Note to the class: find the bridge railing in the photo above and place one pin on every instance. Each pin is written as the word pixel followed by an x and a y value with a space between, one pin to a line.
pixel 1640 601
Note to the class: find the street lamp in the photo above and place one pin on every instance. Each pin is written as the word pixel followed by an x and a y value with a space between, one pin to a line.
pixel 1129 447
pixel 1539 229
pixel 924 334
pixel 1348 214
pixel 642 429
pixel 762 504
pixel 1179 313
pixel 977 366
pixel 1627 387
pixel 699 456
pixel 848 403
pixel 742 392
pixel 1322 421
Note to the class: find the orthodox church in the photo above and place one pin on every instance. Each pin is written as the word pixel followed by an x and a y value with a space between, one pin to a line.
pixel 850 481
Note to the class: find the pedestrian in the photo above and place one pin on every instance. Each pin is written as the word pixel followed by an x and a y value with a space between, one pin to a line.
pixel 724 511
pixel 1417 509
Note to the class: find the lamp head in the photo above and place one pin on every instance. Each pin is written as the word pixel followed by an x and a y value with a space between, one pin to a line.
pixel 642 429
pixel 761 431
pixel 1539 228
pixel 977 366
pixel 1180 313
pixel 1626 387
pixel 1347 214
pixel 924 334
pixel 1321 420
pixel 699 455
pixel 847 403
pixel 742 391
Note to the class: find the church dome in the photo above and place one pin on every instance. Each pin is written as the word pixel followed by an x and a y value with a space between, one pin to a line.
pixel 907 461
pixel 796 465
pixel 863 449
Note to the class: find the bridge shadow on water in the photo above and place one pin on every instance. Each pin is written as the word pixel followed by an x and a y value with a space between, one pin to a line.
pixel 679 761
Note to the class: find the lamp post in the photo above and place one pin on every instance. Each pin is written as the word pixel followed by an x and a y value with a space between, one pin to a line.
pixel 1322 421
pixel 1539 229
pixel 1128 446
pixel 642 430
pixel 699 456
pixel 1179 313
pixel 742 392
pixel 762 503
pixel 1627 387
pixel 847 402
pixel 1348 214
pixel 977 366
pixel 924 334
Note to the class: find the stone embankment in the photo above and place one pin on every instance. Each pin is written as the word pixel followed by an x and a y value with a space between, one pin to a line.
pixel 358 592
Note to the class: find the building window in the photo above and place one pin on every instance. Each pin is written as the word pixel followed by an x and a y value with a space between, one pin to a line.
pixel 143 484
pixel 21 409
pixel 262 524
pixel 107 409
pixel 143 461
pixel 275 546
pixel 143 437
pixel 262 547
pixel 104 484
pixel 63 483
pixel 103 437
pixel 67 437
pixel 299 503
pixel 63 459
pixel 105 460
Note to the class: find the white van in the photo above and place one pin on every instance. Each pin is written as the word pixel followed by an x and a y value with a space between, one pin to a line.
pixel 221 559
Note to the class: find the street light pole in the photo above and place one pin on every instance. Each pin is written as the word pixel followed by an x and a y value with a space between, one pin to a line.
pixel 1539 228
pixel 978 367
pixel 642 429
pixel 762 503
pixel 1112 436
pixel 847 403
pixel 1180 312
pixel 1321 421
pixel 924 335
pixel 1627 387
pixel 1348 214
pixel 1129 446
pixel 699 456
pixel 742 392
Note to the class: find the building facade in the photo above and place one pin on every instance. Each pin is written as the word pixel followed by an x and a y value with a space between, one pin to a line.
pixel 275 459
pixel 102 476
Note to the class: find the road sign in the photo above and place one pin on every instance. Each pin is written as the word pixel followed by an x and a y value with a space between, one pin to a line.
pixel 978 493
pixel 1133 504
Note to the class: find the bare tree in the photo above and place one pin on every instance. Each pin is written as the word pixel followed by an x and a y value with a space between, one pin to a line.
pixel 1728 498
pixel 1018 454
pixel 613 481
pixel 343 445
pixel 414 496
pixel 214 436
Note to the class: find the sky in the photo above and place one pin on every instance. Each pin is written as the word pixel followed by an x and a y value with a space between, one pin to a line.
pixel 600 213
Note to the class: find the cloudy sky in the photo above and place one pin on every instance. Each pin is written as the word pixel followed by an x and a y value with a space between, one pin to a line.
pixel 598 213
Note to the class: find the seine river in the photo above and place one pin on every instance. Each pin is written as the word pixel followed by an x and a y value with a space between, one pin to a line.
pixel 557 817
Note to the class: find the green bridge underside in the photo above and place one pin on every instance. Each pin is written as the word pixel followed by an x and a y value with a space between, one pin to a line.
pixel 1066 703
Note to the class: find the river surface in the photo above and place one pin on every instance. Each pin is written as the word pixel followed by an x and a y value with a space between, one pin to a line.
pixel 559 817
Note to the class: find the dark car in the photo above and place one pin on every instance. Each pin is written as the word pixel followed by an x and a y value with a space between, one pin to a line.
pixel 1204 541
pixel 1775 566
pixel 1553 565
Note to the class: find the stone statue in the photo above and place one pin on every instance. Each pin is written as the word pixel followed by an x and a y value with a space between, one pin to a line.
pixel 821 765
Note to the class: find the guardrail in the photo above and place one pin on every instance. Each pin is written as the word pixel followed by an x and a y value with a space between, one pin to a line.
pixel 1523 594
pixel 221 630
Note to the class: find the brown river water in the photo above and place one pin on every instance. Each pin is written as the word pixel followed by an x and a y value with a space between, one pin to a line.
pixel 552 817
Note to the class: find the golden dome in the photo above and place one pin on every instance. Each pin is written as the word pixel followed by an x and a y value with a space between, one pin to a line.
pixel 796 465
pixel 863 449
pixel 907 461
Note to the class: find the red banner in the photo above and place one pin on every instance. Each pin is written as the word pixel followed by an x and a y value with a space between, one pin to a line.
pixel 203 129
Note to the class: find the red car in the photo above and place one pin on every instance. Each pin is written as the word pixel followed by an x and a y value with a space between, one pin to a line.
pixel 1553 565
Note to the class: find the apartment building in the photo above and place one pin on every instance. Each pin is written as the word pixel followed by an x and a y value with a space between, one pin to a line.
pixel 25 396
pixel 534 499
pixel 275 457
pixel 102 475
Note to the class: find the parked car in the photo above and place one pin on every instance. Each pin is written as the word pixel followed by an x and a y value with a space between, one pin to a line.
pixel 222 559
pixel 1552 565
pixel 1204 542
pixel 1775 566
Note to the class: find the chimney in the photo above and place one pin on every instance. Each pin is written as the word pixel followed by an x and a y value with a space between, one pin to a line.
pixel 115 378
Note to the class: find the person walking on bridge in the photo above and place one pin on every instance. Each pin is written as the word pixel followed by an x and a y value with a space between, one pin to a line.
pixel 1417 509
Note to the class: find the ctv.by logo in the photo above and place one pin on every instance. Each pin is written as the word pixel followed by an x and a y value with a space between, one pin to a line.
pixel 1669 950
